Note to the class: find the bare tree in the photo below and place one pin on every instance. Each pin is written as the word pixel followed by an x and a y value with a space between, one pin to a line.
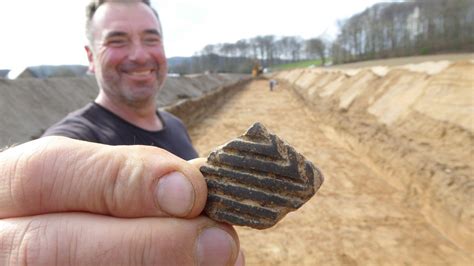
pixel 209 49
pixel 315 48
pixel 243 48
pixel 268 44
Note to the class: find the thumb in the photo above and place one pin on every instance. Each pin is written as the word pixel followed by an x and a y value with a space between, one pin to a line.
pixel 57 174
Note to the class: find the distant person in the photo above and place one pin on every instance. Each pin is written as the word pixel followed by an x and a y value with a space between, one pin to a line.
pixel 272 83
pixel 126 54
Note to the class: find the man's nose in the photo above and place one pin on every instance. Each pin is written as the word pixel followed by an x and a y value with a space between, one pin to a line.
pixel 138 53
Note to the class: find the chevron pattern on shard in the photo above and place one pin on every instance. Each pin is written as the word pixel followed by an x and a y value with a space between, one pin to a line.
pixel 256 179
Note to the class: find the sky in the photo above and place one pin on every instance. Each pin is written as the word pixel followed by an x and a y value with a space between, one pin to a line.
pixel 51 32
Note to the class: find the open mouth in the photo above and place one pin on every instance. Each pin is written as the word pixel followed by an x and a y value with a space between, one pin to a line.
pixel 141 73
pixel 138 72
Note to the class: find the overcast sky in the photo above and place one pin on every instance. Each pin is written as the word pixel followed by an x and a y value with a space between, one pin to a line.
pixel 35 32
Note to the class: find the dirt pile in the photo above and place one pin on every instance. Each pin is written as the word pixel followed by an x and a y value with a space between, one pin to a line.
pixel 28 106
pixel 414 123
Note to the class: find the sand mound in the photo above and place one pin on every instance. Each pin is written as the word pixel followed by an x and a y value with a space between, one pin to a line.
pixel 415 123
pixel 29 106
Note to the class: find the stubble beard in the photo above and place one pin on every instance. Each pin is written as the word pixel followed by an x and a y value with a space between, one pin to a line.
pixel 132 95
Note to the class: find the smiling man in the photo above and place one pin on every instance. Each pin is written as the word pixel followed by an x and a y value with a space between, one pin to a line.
pixel 127 56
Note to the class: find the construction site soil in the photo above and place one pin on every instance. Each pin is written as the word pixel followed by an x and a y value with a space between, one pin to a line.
pixel 396 146
pixel 394 139
pixel 28 106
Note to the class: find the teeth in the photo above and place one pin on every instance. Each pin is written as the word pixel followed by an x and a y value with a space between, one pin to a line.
pixel 140 73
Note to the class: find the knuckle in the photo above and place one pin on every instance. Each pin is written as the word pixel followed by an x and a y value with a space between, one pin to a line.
pixel 128 180
pixel 43 242
pixel 7 235
pixel 22 241
pixel 123 183
pixel 27 184
pixel 23 186
pixel 143 244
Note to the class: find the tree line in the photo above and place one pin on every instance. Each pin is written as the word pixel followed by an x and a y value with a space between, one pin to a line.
pixel 269 48
pixel 384 30
pixel 241 56
pixel 407 28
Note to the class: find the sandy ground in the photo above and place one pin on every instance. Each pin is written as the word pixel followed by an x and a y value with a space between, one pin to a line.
pixel 356 218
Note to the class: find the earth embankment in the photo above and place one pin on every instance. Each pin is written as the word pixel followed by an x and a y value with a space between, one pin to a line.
pixel 413 123
pixel 28 106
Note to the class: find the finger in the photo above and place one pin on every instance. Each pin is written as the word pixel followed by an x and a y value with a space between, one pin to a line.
pixel 56 174
pixel 198 162
pixel 240 259
pixel 88 239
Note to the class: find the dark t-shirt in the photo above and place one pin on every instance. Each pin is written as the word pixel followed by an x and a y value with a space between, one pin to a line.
pixel 94 123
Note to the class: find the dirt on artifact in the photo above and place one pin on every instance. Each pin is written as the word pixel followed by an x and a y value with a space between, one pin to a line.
pixel 395 146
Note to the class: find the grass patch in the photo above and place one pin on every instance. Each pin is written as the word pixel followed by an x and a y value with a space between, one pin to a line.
pixel 299 64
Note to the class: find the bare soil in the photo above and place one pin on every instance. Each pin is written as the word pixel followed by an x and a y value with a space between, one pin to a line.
pixel 357 217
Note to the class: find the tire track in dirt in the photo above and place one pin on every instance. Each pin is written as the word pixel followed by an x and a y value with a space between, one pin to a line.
pixel 355 219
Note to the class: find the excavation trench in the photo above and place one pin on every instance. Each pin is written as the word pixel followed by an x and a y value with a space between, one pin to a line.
pixel 395 145
pixel 359 216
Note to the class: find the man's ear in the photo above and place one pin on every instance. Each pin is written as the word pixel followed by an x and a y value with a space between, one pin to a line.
pixel 90 57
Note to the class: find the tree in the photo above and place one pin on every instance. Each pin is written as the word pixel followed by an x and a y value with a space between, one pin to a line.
pixel 268 44
pixel 315 48
pixel 243 47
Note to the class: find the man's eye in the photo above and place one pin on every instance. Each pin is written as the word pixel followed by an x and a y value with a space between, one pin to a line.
pixel 117 42
pixel 152 41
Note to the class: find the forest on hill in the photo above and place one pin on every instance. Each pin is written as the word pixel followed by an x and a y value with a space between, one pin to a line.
pixel 416 27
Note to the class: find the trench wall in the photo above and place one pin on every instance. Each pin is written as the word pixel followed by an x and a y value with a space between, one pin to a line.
pixel 413 123
pixel 29 106
pixel 193 110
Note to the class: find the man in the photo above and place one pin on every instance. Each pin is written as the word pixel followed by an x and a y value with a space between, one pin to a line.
pixel 126 53
pixel 65 201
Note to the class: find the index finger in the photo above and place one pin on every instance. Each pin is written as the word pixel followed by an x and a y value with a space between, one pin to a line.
pixel 57 174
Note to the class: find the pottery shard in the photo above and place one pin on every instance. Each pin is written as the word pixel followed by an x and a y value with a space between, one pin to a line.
pixel 256 179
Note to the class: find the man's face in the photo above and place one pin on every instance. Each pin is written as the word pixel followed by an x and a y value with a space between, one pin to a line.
pixel 127 54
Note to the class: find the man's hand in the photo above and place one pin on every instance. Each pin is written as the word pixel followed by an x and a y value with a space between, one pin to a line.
pixel 65 201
